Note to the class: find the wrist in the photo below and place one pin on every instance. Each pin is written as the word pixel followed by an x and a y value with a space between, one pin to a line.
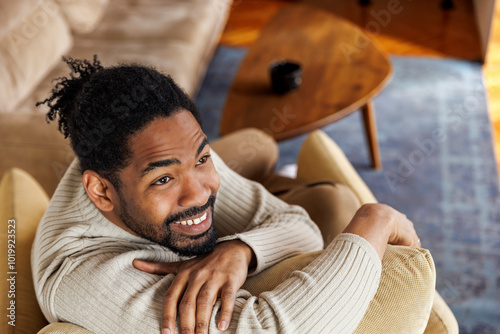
pixel 246 251
pixel 374 225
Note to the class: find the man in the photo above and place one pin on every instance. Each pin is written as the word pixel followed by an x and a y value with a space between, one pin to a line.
pixel 146 195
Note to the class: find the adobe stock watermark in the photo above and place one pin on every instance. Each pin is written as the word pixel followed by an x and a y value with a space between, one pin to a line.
pixel 407 165
pixel 223 4
pixel 455 119
pixel 250 147
pixel 11 272
pixel 223 7
pixel 451 291
pixel 380 19
pixel 279 121
pixel 31 25
pixel 454 291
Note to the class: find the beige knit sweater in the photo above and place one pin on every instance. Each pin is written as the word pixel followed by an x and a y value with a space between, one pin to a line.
pixel 83 273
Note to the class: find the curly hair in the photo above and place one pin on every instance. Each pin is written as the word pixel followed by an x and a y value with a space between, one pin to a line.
pixel 99 109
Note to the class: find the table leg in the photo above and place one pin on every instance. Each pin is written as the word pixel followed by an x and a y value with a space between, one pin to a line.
pixel 371 133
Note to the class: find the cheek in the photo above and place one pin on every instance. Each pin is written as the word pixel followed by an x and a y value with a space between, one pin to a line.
pixel 150 208
pixel 160 207
pixel 213 180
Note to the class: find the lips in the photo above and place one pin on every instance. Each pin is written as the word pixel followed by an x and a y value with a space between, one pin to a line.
pixel 195 225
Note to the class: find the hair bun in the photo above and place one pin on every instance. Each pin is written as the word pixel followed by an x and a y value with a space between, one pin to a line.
pixel 65 93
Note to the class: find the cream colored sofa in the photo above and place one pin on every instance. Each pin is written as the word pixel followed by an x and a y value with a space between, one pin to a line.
pixel 177 37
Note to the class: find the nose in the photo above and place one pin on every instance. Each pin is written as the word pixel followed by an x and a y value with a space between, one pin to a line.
pixel 194 192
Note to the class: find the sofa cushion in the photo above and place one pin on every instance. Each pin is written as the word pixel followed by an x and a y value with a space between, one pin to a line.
pixel 12 12
pixel 83 15
pixel 176 37
pixel 22 204
pixel 320 158
pixel 29 51
pixel 28 142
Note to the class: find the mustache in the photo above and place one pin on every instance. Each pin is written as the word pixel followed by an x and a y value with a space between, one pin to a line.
pixel 190 212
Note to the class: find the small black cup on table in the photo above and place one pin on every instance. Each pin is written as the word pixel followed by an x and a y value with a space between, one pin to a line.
pixel 286 76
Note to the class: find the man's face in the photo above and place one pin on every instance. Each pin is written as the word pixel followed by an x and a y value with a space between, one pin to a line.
pixel 168 190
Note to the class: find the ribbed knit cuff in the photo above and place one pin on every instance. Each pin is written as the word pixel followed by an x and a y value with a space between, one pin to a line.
pixel 362 243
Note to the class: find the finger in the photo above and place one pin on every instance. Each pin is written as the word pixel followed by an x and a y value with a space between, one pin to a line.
pixel 228 297
pixel 412 236
pixel 171 301
pixel 159 268
pixel 416 242
pixel 187 306
pixel 204 306
pixel 406 234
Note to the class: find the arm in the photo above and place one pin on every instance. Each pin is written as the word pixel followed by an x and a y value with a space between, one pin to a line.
pixel 377 225
pixel 273 229
pixel 105 294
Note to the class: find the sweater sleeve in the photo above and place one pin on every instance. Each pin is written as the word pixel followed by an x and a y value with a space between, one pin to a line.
pixel 274 230
pixel 102 292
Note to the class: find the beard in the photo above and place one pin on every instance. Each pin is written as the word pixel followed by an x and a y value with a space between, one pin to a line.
pixel 182 244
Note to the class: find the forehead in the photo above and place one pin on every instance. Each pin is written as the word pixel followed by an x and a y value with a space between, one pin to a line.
pixel 166 136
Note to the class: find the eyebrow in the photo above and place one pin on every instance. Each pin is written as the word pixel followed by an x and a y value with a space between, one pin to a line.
pixel 168 162
pixel 201 147
pixel 161 163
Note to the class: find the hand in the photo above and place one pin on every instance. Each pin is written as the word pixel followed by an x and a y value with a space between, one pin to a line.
pixel 199 282
pixel 403 231
pixel 380 224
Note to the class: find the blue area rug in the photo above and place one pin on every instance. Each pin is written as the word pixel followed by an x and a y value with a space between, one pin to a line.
pixel 438 168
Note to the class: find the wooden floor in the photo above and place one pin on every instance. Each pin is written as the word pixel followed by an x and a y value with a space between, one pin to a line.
pixel 414 28
pixel 492 76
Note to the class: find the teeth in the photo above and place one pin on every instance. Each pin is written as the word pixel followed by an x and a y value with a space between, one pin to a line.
pixel 195 221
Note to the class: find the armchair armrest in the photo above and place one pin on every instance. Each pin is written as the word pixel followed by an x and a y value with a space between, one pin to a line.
pixel 63 328
pixel 321 159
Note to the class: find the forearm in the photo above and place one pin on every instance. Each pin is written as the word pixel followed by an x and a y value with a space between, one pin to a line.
pixel 274 230
pixel 278 238
pixel 330 295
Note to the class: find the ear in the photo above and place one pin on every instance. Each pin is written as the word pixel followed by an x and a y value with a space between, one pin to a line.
pixel 99 190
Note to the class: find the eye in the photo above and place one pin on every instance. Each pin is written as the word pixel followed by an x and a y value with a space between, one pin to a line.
pixel 162 180
pixel 203 159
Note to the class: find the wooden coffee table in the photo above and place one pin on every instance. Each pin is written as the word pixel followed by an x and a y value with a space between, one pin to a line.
pixel 342 71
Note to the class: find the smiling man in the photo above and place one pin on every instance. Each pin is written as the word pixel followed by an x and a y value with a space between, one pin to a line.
pixel 149 205
pixel 150 231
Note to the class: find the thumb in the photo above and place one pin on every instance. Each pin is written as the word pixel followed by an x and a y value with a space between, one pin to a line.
pixel 159 268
